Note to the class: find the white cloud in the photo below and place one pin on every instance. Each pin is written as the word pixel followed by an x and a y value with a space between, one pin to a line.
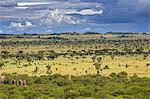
pixel 86 29
pixel 32 3
pixel 20 7
pixel 28 24
pixel 58 17
pixel 49 30
pixel 16 25
pixel 63 16
pixel 90 12
pixel 21 26
pixel 83 11
pixel 34 9
pixel 49 12
pixel 52 17
pixel 69 20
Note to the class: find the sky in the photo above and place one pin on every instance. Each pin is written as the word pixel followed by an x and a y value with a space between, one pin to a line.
pixel 57 16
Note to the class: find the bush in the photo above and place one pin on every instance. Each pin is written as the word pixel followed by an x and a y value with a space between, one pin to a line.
pixel 3 96
pixel 89 86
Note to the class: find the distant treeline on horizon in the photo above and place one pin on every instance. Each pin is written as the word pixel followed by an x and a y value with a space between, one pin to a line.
pixel 76 33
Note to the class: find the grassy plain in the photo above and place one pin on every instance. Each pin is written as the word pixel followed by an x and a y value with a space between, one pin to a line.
pixel 77 65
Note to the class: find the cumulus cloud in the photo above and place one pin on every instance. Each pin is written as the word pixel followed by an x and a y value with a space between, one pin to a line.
pixel 16 25
pixel 21 26
pixel 58 17
pixel 28 24
pixel 63 16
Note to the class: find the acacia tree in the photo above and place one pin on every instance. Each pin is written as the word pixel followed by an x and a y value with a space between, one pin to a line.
pixel 29 59
pixel 98 67
pixel 52 55
pixel 112 56
pixel 145 56
pixel 49 71
pixel 5 54
pixel 147 65
pixel 40 55
pixel 36 70
pixel 99 59
pixel 1 65
pixel 19 57
pixel 93 58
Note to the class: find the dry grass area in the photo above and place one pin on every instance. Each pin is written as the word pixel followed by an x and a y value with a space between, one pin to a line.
pixel 72 66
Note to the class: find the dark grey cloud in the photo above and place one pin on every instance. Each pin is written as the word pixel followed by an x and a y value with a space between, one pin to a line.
pixel 123 11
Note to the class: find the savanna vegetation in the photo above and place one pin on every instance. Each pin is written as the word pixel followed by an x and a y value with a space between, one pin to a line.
pixel 73 65
pixel 115 86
